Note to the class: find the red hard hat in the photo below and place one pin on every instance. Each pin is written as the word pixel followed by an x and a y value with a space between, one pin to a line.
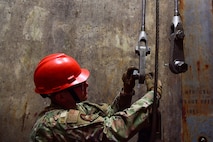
pixel 57 72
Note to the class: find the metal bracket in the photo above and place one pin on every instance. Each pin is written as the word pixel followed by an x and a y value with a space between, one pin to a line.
pixel 177 62
pixel 142 50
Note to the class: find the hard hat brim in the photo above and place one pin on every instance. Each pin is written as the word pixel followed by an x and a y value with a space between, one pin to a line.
pixel 83 76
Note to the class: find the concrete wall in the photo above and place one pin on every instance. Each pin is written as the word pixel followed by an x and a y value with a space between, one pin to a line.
pixel 100 34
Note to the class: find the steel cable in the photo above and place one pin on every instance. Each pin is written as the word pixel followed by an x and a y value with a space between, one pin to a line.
pixel 155 101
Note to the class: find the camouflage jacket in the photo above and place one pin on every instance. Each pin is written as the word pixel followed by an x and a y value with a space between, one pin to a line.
pixel 91 122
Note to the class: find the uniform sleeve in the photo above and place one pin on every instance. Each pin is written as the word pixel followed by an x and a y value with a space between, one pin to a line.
pixel 124 124
pixel 122 101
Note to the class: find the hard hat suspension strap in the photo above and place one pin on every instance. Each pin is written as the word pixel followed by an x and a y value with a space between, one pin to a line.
pixel 74 95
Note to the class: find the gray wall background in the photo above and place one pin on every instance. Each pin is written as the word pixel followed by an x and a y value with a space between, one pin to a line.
pixel 100 34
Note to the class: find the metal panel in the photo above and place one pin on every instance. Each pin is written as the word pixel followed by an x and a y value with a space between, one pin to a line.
pixel 197 84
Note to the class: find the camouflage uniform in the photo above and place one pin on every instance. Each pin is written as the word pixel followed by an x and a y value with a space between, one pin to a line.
pixel 91 122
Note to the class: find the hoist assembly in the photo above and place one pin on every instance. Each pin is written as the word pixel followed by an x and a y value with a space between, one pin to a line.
pixel 152 133
pixel 177 62
pixel 142 49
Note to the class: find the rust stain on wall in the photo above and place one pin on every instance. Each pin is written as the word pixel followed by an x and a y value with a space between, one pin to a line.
pixel 181 4
pixel 181 8
pixel 24 117
pixel 212 6
pixel 198 66
pixel 206 67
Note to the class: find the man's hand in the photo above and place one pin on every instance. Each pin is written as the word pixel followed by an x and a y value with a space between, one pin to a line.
pixel 129 80
pixel 150 84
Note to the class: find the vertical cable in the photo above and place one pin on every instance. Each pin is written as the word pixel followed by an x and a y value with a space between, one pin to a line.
pixel 154 107
pixel 143 15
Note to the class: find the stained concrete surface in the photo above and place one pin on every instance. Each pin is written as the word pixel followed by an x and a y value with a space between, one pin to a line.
pixel 100 34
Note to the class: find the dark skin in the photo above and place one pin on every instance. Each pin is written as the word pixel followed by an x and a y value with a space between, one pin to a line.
pixel 65 99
